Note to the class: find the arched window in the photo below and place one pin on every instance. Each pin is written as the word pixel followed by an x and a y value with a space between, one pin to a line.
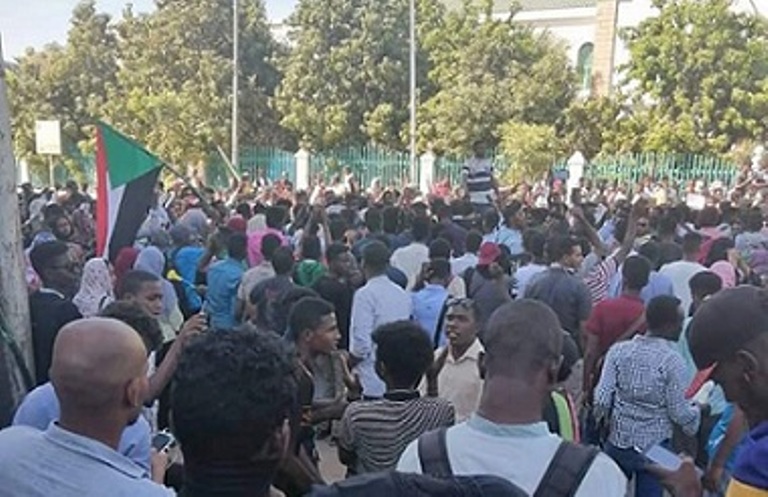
pixel 584 66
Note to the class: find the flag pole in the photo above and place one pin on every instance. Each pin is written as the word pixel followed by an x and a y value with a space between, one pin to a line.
pixel 15 329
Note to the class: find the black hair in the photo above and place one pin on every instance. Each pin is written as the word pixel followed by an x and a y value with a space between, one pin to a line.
pixel 439 268
pixel 511 210
pixel 405 351
pixel 279 310
pixel 306 314
pixel 311 248
pixel 558 246
pixel 691 243
pixel 132 314
pixel 753 220
pixel 440 249
pixel 473 241
pixel 490 220
pixel 335 250
pixel 269 244
pixel 132 282
pixel 376 256
pixel 244 210
pixel 390 220
pixel 662 311
pixel 42 256
pixel 652 252
pixel 705 283
pixel 275 217
pixel 373 219
pixel 420 227
pixel 237 246
pixel 337 227
pixel 718 251
pixel 282 261
pixel 636 272
pixel 534 242
pixel 232 393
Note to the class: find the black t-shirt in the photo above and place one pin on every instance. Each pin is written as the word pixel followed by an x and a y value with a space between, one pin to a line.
pixel 340 295
pixel 49 313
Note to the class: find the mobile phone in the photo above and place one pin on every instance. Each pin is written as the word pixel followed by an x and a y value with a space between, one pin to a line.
pixel 663 457
pixel 163 441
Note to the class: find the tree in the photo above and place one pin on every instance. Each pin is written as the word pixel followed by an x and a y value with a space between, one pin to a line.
pixel 698 77
pixel 589 126
pixel 530 150
pixel 174 85
pixel 69 83
pixel 346 76
pixel 490 71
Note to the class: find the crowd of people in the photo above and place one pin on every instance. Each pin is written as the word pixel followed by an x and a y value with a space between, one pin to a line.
pixel 481 342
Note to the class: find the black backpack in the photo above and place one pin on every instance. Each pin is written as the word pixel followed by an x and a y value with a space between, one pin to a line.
pixel 562 478
pixel 391 484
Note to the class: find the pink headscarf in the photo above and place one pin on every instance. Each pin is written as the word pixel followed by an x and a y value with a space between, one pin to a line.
pixel 726 272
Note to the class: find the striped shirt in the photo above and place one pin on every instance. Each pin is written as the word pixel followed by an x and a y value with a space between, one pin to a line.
pixel 378 432
pixel 479 177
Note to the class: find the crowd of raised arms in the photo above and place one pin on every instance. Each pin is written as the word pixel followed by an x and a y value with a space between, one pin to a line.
pixel 470 340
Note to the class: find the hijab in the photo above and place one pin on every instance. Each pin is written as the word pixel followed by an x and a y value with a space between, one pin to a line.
pixel 124 262
pixel 96 288
pixel 152 260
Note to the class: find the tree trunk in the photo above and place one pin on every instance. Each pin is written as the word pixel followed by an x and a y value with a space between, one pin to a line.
pixel 14 303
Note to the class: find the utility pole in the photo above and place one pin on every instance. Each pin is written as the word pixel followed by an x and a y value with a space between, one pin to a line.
pixel 14 306
pixel 235 159
pixel 414 168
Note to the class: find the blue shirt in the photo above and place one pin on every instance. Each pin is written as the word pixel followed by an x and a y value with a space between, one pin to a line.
pixel 658 284
pixel 221 296
pixel 41 407
pixel 510 237
pixel 36 463
pixel 427 305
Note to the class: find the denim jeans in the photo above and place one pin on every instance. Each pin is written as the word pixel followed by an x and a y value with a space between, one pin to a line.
pixel 632 463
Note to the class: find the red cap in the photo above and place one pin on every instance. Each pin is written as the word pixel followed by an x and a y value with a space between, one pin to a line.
pixel 237 223
pixel 489 252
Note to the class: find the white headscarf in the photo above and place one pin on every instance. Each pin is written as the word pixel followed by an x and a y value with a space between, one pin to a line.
pixel 96 288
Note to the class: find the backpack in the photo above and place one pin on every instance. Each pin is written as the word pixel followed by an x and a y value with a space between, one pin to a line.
pixel 392 484
pixel 561 479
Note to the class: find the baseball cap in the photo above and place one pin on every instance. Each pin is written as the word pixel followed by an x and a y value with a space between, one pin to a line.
pixel 726 322
pixel 488 254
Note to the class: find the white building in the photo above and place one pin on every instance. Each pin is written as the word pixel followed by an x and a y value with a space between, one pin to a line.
pixel 590 29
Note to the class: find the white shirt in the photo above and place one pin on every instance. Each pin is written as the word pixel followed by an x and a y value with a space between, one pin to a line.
pixel 379 302
pixel 409 260
pixel 518 453
pixel 459 381
pixel 680 273
pixel 461 264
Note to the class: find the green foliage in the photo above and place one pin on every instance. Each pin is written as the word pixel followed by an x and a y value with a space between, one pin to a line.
pixel 588 125
pixel 347 75
pixel 489 71
pixel 164 78
pixel 529 150
pixel 697 80
pixel 67 83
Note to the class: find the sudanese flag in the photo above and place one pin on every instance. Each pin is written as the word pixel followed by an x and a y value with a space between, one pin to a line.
pixel 127 175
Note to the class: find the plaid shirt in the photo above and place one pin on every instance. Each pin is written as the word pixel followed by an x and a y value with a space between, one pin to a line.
pixel 642 386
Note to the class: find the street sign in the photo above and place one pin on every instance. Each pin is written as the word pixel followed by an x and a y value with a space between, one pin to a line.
pixel 48 137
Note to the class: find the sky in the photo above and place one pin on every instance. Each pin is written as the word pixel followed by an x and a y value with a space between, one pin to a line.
pixel 33 23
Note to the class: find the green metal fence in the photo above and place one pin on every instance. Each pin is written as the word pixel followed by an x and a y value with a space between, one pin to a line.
pixel 273 163
pixel 366 163
pixel 392 167
pixel 677 169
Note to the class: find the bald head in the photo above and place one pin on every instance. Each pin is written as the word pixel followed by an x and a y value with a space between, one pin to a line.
pixel 522 338
pixel 94 362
